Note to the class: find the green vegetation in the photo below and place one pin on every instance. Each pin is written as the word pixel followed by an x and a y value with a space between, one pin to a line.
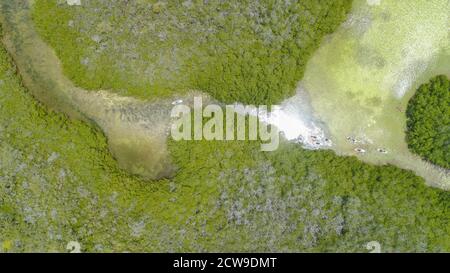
pixel 58 183
pixel 428 113
pixel 248 51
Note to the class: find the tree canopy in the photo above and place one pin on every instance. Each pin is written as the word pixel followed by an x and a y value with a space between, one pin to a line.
pixel 428 124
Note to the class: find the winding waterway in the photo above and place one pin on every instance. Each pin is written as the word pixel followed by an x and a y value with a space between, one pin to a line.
pixel 352 98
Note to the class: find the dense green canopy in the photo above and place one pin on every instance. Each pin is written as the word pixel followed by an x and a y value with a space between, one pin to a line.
pixel 59 183
pixel 250 51
pixel 428 113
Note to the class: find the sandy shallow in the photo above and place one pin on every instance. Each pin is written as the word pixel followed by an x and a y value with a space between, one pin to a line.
pixel 357 85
